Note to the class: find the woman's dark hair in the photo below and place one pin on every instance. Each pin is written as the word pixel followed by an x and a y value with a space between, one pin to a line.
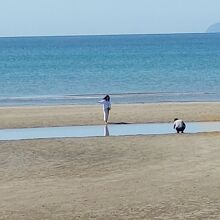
pixel 107 98
pixel 175 119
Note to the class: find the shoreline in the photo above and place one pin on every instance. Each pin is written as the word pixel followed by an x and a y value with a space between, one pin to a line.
pixel 69 115
pixel 117 98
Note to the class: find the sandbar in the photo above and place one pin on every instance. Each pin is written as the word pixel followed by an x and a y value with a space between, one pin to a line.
pixel 48 116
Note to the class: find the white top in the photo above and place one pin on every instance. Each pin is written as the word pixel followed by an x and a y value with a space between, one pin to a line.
pixel 106 104
pixel 178 123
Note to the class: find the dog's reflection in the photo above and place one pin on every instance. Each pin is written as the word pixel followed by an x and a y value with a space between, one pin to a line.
pixel 106 130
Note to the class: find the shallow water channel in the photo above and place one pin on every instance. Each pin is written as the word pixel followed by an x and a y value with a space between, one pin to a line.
pixel 104 130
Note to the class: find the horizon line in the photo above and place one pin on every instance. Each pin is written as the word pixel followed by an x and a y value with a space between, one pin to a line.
pixel 114 34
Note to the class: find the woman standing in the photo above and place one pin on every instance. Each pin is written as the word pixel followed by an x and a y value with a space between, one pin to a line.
pixel 106 107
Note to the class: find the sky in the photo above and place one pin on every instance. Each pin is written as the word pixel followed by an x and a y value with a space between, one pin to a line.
pixel 94 17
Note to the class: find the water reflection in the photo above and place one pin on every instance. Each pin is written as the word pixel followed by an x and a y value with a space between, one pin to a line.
pixel 106 130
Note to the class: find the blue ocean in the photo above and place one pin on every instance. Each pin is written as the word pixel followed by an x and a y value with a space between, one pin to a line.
pixel 131 68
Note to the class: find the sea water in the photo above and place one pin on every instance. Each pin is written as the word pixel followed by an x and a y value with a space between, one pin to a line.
pixel 131 68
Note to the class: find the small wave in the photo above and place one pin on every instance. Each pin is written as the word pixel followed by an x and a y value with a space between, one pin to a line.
pixel 138 93
pixel 97 96
pixel 140 97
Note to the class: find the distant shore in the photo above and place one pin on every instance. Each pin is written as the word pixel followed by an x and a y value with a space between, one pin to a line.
pixel 67 115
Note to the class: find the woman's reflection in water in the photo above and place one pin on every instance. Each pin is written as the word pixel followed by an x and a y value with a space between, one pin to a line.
pixel 106 131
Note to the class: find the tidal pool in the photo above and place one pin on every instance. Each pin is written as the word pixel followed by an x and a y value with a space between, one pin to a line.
pixel 104 130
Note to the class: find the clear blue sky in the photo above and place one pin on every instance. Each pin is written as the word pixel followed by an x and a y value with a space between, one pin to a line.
pixel 70 17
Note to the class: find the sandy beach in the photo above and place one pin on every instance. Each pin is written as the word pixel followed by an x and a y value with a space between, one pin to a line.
pixel 140 177
pixel 131 177
pixel 46 116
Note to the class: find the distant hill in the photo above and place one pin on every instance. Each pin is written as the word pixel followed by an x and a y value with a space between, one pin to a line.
pixel 215 28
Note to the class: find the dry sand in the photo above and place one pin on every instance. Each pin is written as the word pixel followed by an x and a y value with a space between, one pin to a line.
pixel 16 117
pixel 141 177
pixel 137 177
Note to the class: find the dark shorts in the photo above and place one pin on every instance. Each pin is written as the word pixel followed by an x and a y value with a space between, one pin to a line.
pixel 181 129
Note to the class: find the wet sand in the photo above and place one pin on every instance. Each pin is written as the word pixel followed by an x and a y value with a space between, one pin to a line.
pixel 19 117
pixel 137 177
